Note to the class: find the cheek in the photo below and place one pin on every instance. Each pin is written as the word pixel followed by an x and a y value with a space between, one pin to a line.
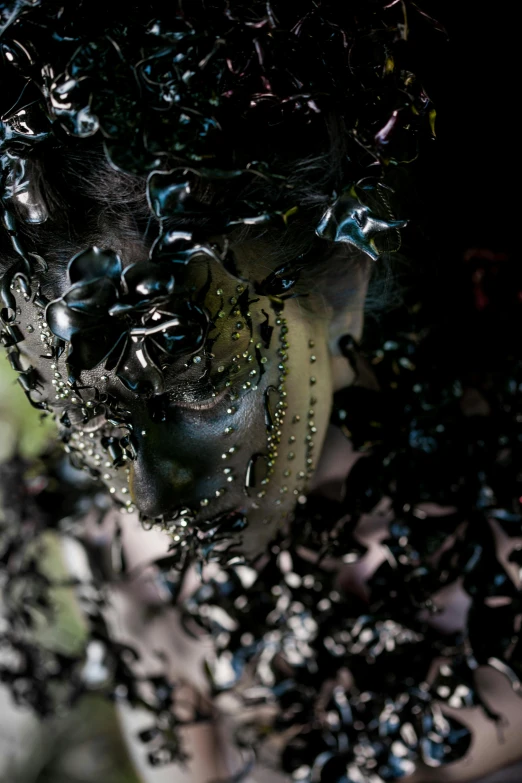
pixel 297 401
pixel 254 452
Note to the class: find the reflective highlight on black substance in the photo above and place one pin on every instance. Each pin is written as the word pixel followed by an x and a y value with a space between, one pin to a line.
pixel 94 85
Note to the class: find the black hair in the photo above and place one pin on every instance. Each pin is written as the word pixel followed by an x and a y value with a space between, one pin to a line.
pixel 89 202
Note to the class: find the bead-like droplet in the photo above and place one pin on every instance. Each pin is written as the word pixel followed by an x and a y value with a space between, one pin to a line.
pixel 196 359
pixel 219 291
pixel 203 502
pixel 236 336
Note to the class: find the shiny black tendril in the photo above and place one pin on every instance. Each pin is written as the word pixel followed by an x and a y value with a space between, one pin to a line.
pixel 127 319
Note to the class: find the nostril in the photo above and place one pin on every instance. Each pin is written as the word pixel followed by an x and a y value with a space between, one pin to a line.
pixel 157 487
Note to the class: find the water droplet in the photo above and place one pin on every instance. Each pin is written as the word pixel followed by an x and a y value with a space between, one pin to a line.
pixel 291 455
pixel 313 380
pixel 240 289
pixel 30 328
pixel 203 502
pixel 196 359
pixel 219 291
pixel 233 300
pixel 236 336
pixel 313 359
pixel 311 344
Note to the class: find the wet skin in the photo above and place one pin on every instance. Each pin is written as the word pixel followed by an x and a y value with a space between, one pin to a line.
pixel 241 421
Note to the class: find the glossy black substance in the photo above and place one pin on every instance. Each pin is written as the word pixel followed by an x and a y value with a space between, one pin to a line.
pixel 291 632
pixel 127 320
pixel 227 94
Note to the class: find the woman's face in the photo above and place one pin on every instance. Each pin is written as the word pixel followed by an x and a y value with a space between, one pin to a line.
pixel 240 424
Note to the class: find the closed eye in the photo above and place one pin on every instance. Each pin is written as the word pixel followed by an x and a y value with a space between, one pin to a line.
pixel 196 397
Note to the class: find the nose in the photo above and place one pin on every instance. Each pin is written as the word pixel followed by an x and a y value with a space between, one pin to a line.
pixel 158 481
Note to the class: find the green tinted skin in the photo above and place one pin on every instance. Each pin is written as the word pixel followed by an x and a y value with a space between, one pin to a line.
pixel 245 438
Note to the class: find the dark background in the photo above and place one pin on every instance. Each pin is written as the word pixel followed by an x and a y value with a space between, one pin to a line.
pixel 470 176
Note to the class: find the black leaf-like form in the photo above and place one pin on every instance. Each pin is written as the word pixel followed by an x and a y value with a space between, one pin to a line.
pixel 125 318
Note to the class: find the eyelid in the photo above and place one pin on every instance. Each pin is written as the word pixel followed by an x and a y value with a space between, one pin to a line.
pixel 204 405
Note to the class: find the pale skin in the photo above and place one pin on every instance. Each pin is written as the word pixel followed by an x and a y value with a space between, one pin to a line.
pixel 313 330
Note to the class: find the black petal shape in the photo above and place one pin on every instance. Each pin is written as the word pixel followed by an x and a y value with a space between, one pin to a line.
pixel 92 264
pixel 137 371
pixel 178 246
pixel 89 347
pixel 185 336
pixel 94 298
pixel 147 284
pixel 65 322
